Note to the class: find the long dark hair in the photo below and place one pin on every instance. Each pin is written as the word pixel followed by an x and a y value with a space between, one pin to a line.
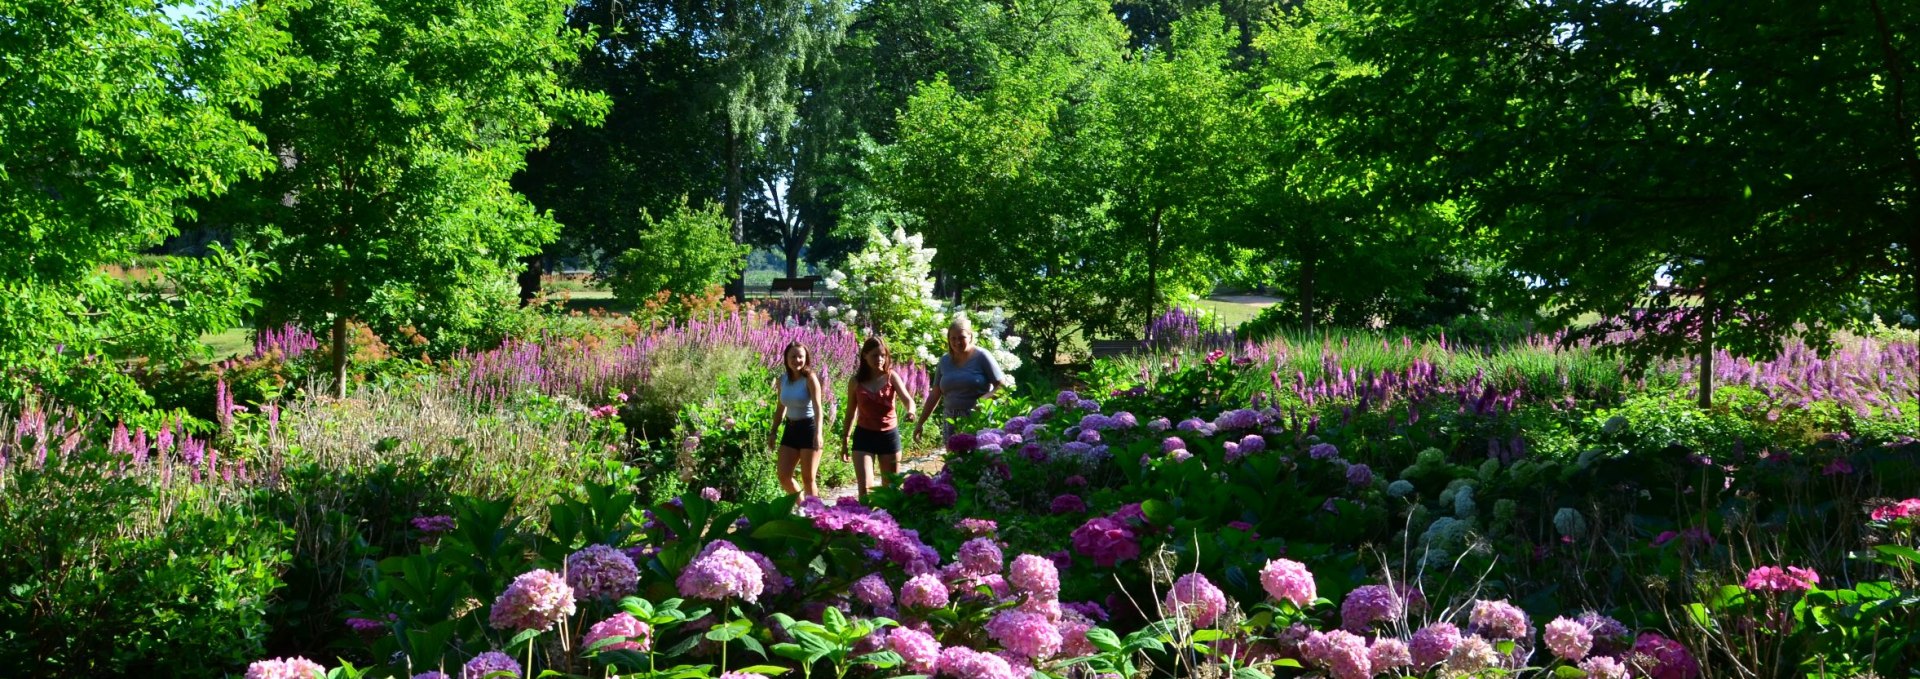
pixel 806 370
pixel 862 373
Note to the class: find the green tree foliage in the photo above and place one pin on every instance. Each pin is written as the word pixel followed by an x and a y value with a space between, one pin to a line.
pixel 112 117
pixel 1759 155
pixel 686 253
pixel 397 133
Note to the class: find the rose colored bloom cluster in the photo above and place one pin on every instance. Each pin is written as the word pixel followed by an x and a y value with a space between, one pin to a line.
pixel 1035 575
pixel 772 581
pixel 1026 633
pixel 602 572
pixel 285 668
pixel 722 571
pixel 1288 580
pixel 1181 455
pixel 962 443
pixel 638 636
pixel 1344 654
pixel 923 591
pixel 433 525
pixel 1569 639
pixel 872 590
pixel 1499 620
pixel 1664 658
pixel 536 600
pixel 1369 604
pixel 1775 579
pixel 488 665
pixel 1323 451
pixel 1602 667
pixel 1193 597
pixel 1388 654
pixel 980 557
pixel 1172 443
pixel 710 494
pixel 1359 475
pixel 1106 541
pixel 978 527
pixel 1069 504
pixel 1904 509
pixel 1073 635
pixel 1433 643
pixel 919 649
pixel 960 662
pixel 1473 654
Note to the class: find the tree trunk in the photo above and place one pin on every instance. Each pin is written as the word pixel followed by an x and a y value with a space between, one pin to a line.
pixel 792 248
pixel 532 268
pixel 1903 129
pixel 339 355
pixel 1706 355
pixel 1153 268
pixel 737 288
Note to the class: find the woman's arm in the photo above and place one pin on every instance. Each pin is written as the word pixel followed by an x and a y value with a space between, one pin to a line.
pixel 933 399
pixel 900 392
pixel 779 416
pixel 819 410
pixel 846 424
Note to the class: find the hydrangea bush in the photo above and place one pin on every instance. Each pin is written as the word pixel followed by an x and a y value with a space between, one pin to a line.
pixel 888 286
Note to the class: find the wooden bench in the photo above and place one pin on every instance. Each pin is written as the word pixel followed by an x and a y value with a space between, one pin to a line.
pixel 1111 348
pixel 781 285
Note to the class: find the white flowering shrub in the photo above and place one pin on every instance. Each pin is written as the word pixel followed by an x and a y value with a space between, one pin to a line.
pixel 888 287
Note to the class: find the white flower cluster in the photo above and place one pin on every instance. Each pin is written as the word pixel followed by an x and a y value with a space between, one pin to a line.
pixel 889 285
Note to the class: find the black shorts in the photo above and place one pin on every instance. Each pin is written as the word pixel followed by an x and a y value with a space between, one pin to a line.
pixel 882 443
pixel 798 434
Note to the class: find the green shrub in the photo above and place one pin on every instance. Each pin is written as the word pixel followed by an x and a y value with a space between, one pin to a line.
pixel 688 252
pixel 113 574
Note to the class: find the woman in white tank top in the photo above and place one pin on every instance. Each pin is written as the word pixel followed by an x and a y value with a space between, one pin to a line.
pixel 796 415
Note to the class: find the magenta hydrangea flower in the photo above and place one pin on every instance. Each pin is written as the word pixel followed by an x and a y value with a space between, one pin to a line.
pixel 1073 629
pixel 962 443
pixel 872 590
pixel 536 600
pixel 1252 443
pixel 1908 508
pixel 1569 639
pixel 978 527
pixel 919 649
pixel 1775 579
pixel 436 674
pixel 1370 604
pixel 1028 634
pixel 1602 667
pixel 771 580
pixel 1172 443
pixel 924 591
pixel 1069 504
pixel 722 571
pixel 1388 654
pixel 490 665
pixel 1344 654
pixel 1288 580
pixel 1498 620
pixel 960 662
pixel 1664 658
pixel 1035 575
pixel 1431 645
pixel 286 668
pixel 1193 597
pixel 639 637
pixel 433 525
pixel 1106 541
pixel 1181 455
pixel 981 557
pixel 1323 451
pixel 602 572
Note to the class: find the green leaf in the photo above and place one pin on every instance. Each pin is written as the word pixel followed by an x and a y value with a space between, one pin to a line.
pixel 1159 512
pixel 1103 639
pixel 1208 635
pixel 1567 672
pixel 768 670
pixel 1902 552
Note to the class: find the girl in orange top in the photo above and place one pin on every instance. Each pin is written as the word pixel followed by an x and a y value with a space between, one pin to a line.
pixel 871 428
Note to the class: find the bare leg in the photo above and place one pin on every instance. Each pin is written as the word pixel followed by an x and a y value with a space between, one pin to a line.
pixel 810 470
pixel 788 457
pixel 889 466
pixel 862 478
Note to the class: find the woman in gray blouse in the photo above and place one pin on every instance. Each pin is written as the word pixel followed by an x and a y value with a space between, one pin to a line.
pixel 965 375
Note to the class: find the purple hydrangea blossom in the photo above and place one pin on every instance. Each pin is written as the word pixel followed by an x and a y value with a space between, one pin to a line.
pixel 924 591
pixel 721 571
pixel 1193 597
pixel 490 665
pixel 1068 504
pixel 536 600
pixel 602 572
pixel 1106 541
pixel 1028 634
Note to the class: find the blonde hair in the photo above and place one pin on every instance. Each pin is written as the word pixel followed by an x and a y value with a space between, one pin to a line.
pixel 962 323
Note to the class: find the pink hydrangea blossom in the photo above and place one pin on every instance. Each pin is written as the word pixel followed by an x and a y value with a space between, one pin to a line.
pixel 1499 620
pixel 980 557
pixel 1664 658
pixel 286 668
pixel 1035 575
pixel 772 582
pixel 436 674
pixel 919 649
pixel 1288 580
pixel 1904 509
pixel 1432 644
pixel 960 662
pixel 490 665
pixel 1388 654
pixel 872 590
pixel 1344 654
pixel 639 637
pixel 1193 597
pixel 722 571
pixel 1106 541
pixel 536 600
pixel 924 591
pixel 1473 654
pixel 1776 579
pixel 710 494
pixel 1569 639
pixel 602 572
pixel 1073 629
pixel 1025 633
pixel 1370 604
pixel 1602 667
